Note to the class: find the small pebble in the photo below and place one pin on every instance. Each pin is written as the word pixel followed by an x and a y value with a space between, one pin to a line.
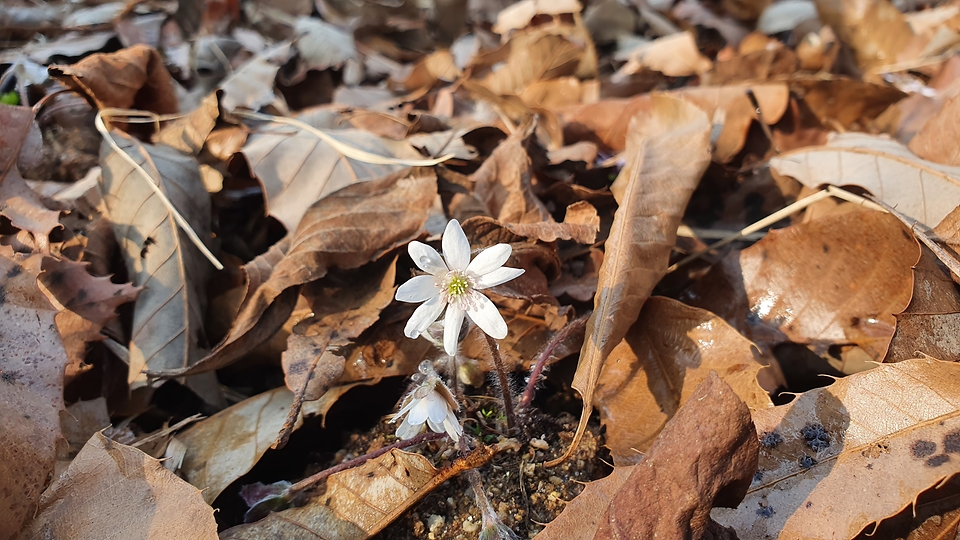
pixel 555 480
pixel 529 468
pixel 470 526
pixel 539 444
pixel 434 523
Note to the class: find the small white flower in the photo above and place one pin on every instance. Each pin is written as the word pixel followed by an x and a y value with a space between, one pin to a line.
pixel 454 283
pixel 431 402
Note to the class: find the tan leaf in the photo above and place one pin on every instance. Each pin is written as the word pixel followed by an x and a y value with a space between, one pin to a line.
pixel 131 78
pixel 188 134
pixel 252 86
pixel 168 315
pixel 894 425
pixel 920 189
pixel 32 360
pixel 667 353
pixel 708 451
pixel 849 103
pixel 668 151
pixel 88 303
pixel 504 181
pixel 81 421
pixel 322 45
pixel 580 281
pixel 580 224
pixel 438 66
pixel 875 30
pixel 836 280
pixel 342 310
pixel 296 169
pixel 380 215
pixel 675 55
pixel 519 15
pixel 933 142
pixel 118 492
pixel 608 119
pixel 227 445
pixel 361 501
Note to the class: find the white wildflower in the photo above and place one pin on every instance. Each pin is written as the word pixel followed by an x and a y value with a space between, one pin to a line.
pixel 431 402
pixel 454 283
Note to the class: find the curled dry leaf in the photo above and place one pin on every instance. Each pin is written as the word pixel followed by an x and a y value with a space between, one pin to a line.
pixel 342 310
pixel 920 189
pixel 296 168
pixel 875 30
pixel 836 280
pixel 32 361
pixel 188 134
pixel 131 78
pixel 252 86
pixel 667 353
pixel 675 55
pixel 519 15
pixel 88 303
pixel 709 453
pixel 227 445
pixel 580 224
pixel 344 230
pixel 894 425
pixel 606 121
pixel 115 491
pixel 668 151
pixel 168 315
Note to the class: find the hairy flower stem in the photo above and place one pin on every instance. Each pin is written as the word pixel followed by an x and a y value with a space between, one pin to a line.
pixel 504 382
pixel 322 475
pixel 545 354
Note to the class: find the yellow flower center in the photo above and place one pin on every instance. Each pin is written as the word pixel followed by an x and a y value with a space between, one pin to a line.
pixel 457 285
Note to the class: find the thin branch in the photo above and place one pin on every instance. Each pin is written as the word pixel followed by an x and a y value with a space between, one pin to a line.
pixel 297 404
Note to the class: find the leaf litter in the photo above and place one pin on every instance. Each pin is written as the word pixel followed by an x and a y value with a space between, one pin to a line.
pixel 202 336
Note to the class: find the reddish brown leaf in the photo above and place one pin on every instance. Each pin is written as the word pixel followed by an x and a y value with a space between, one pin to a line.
pixel 503 182
pixel 132 78
pixel 706 456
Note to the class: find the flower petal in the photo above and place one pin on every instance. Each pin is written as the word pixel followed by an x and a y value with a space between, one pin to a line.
pixel 418 289
pixel 423 317
pixel 490 259
pixel 453 427
pixel 456 248
pixel 426 258
pixel 420 411
pixel 407 431
pixel 498 276
pixel 451 328
pixel 486 316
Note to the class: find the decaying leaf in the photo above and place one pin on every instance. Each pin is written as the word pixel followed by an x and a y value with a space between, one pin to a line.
pixel 836 280
pixel 170 269
pixel 297 169
pixel 188 134
pixel 891 431
pixel 668 150
pixel 667 353
pixel 88 303
pixel 252 86
pixel 675 55
pixel 131 78
pixel 875 30
pixel 920 189
pixel 32 361
pixel 607 120
pixel 357 504
pixel 503 182
pixel 115 491
pixel 227 445
pixel 341 311
pixel 580 224
pixel 935 141
pixel 709 453
pixel 344 230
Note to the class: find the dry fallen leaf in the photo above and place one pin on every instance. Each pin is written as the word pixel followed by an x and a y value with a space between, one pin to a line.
pixel 32 361
pixel 920 189
pixel 504 181
pixel 297 169
pixel 675 55
pixel 159 257
pixel 117 492
pixel 936 141
pixel 580 224
pixel 668 150
pixel 836 280
pixel 542 53
pixel 875 30
pixel 606 121
pixel 131 78
pixel 252 86
pixel 667 353
pixel 893 426
pixel 227 445
pixel 189 133
pixel 708 451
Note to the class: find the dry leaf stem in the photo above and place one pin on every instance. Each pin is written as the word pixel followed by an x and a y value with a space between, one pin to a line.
pixel 297 404
pixel 357 461
pixel 545 354
pixel 504 382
